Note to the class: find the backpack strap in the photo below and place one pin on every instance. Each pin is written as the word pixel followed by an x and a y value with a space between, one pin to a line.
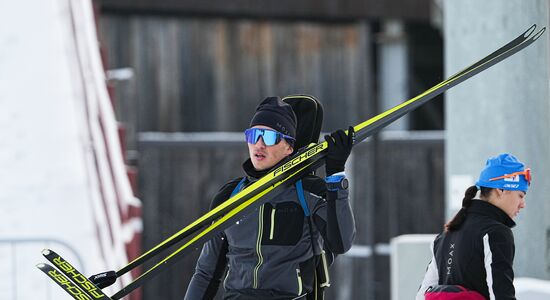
pixel 302 198
pixel 238 187
pixel 321 275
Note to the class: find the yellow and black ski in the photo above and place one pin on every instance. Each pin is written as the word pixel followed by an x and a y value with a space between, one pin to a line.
pixel 80 281
pixel 300 164
pixel 67 285
pixel 374 124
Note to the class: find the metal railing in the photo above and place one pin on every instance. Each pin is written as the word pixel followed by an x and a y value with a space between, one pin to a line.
pixel 19 279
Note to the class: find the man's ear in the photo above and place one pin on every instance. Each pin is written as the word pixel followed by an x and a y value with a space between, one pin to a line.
pixel 289 150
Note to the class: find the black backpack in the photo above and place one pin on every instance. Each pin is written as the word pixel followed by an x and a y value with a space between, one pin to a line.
pixel 309 113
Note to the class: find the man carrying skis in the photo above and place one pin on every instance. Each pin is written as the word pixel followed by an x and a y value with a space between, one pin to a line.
pixel 273 252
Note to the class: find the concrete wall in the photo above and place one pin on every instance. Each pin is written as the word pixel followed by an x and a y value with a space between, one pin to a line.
pixel 410 256
pixel 532 289
pixel 504 109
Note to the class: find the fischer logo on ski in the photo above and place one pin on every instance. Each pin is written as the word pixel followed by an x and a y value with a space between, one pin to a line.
pixel 69 272
pixel 63 282
pixel 308 154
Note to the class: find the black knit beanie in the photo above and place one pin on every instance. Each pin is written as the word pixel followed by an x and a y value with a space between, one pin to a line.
pixel 274 113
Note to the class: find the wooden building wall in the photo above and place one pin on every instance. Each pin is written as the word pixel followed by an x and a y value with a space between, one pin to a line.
pixel 194 74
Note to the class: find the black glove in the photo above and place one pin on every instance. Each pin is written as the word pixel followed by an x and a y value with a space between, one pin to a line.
pixel 339 148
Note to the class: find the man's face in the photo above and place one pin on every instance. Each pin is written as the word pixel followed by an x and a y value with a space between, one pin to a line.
pixel 265 157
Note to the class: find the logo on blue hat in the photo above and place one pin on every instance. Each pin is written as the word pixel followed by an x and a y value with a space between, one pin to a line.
pixel 505 172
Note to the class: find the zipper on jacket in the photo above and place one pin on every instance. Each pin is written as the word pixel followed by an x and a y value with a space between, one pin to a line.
pixel 226 276
pixel 326 274
pixel 299 277
pixel 272 228
pixel 259 246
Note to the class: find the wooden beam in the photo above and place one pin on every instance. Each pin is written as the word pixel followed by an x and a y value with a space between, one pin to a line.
pixel 412 10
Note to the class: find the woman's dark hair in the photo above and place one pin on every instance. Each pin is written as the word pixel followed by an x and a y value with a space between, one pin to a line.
pixel 460 216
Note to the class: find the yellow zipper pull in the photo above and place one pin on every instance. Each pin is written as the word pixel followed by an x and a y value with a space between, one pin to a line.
pixel 299 281
pixel 272 229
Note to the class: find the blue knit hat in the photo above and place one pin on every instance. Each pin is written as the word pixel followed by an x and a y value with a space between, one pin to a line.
pixel 498 174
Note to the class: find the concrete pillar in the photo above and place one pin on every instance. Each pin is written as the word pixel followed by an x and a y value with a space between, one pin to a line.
pixel 504 109
pixel 409 258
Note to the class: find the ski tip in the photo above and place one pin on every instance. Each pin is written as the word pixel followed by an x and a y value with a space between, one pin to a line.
pixel 46 251
pixel 41 265
pixel 529 31
pixel 539 33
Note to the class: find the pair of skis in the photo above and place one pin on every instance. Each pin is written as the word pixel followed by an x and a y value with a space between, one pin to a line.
pixel 69 278
pixel 303 162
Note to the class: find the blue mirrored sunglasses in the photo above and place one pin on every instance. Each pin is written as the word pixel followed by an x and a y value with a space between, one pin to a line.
pixel 270 137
